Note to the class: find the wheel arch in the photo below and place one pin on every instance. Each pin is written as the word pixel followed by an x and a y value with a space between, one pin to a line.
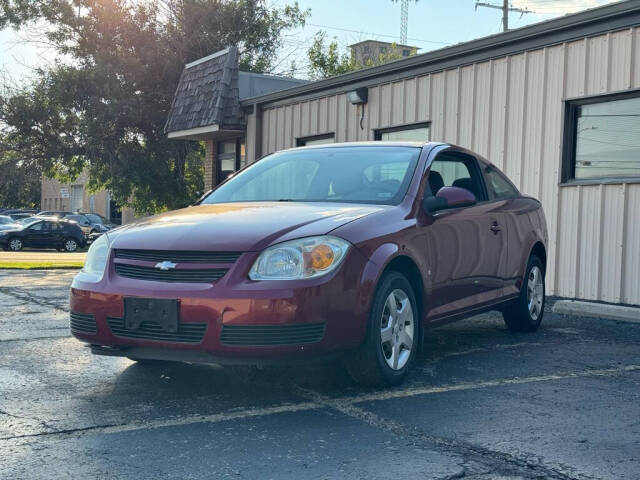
pixel 540 251
pixel 408 267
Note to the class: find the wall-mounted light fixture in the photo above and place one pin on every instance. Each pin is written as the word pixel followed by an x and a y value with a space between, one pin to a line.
pixel 359 96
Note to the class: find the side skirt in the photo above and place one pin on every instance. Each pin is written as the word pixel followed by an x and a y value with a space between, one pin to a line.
pixel 442 320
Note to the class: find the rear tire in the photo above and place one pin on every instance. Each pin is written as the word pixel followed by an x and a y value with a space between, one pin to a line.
pixel 15 244
pixel 392 335
pixel 525 314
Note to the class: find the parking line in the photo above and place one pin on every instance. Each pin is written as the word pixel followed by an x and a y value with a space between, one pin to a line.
pixel 413 391
pixel 173 422
pixel 316 404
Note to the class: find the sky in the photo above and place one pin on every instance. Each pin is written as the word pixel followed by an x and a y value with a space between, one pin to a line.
pixel 433 24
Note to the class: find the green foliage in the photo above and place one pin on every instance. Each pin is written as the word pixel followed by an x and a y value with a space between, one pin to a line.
pixel 20 185
pixel 325 60
pixel 104 107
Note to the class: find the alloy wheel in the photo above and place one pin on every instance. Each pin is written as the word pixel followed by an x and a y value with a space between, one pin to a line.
pixel 15 244
pixel 535 292
pixel 397 329
pixel 70 245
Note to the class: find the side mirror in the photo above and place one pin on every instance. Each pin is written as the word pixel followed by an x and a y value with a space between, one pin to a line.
pixel 449 197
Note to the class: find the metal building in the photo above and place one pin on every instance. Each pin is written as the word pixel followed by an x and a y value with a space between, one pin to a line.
pixel 556 105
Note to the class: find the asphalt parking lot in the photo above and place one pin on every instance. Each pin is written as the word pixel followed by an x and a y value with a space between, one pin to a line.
pixel 481 403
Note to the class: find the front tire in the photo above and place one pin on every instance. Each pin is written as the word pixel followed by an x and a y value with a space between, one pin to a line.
pixel 70 245
pixel 15 244
pixel 525 314
pixel 392 335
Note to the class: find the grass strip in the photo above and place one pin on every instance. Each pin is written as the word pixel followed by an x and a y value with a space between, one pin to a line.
pixel 26 265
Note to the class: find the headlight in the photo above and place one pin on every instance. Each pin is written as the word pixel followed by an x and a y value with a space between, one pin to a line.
pixel 97 256
pixel 303 258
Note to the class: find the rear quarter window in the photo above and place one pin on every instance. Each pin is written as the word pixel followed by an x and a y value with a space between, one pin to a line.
pixel 498 186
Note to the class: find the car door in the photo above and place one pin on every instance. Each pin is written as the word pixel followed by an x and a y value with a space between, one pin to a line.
pixel 507 203
pixel 57 234
pixel 34 235
pixel 465 247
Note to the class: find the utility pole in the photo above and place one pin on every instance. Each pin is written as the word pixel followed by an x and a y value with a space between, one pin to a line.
pixel 505 11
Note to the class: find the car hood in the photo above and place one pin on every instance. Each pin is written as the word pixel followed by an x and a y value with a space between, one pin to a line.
pixel 7 227
pixel 237 226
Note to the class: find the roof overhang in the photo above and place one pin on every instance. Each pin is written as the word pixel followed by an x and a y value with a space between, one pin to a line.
pixel 209 132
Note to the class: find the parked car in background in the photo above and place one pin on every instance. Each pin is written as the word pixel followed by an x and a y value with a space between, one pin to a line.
pixel 47 232
pixel 88 222
pixel 82 221
pixel 20 216
pixel 8 211
pixel 352 248
pixel 99 224
pixel 30 220
pixel 53 213
pixel 7 223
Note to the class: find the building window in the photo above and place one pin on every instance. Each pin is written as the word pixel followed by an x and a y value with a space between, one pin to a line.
pixel 230 158
pixel 418 132
pixel 602 138
pixel 315 140
pixel 405 52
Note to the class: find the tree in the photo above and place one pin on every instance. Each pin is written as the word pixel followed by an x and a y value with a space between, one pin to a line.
pixel 20 185
pixel 104 106
pixel 325 60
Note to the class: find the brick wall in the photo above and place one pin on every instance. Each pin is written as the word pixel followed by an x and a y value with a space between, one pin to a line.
pixel 210 174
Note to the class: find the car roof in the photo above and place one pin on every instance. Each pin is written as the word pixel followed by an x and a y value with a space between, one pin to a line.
pixel 377 143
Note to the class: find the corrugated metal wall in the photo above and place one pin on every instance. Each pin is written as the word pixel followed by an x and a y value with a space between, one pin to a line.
pixel 510 110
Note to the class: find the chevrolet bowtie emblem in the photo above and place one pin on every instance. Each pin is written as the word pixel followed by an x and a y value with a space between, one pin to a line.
pixel 166 265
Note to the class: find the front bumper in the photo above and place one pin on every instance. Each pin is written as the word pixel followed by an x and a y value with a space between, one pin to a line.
pixel 234 320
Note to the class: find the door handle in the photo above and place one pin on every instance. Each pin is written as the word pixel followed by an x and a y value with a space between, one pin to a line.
pixel 495 227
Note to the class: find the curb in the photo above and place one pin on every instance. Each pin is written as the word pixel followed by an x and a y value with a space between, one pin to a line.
pixel 602 310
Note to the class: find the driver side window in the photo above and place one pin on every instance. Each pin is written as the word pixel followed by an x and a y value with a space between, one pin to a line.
pixel 452 169
pixel 37 227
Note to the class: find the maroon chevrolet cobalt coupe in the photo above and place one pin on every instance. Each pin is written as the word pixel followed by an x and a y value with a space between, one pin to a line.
pixel 351 249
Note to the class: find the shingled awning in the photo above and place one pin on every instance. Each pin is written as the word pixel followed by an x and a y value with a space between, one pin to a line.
pixel 206 103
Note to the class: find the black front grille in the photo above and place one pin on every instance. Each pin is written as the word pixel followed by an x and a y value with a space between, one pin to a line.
pixel 263 335
pixel 82 322
pixel 205 275
pixel 180 256
pixel 187 332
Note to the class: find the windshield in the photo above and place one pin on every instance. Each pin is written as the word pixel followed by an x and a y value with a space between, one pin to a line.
pixel 372 174
pixel 29 220
pixel 94 218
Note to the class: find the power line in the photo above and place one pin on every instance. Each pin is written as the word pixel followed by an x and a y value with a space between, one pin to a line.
pixel 505 11
pixel 377 34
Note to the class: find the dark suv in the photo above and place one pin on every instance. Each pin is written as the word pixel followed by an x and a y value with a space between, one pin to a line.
pixel 45 233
